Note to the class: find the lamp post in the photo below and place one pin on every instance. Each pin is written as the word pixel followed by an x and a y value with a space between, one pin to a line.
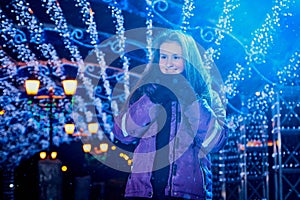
pixel 50 185
pixel 32 87
pixel 51 94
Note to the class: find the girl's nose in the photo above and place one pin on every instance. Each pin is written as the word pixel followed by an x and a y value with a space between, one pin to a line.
pixel 169 62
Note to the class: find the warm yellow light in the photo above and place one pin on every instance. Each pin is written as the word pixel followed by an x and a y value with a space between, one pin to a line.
pixel 69 128
pixel 129 162
pixel 257 93
pixel 32 86
pixel 2 112
pixel 93 127
pixel 69 86
pixel 86 148
pixel 103 147
pixel 113 147
pixel 43 155
pixel 250 144
pixel 53 155
pixel 270 143
pixel 126 157
pixel 64 168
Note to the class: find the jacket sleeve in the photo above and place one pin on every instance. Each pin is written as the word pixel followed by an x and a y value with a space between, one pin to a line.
pixel 134 121
pixel 216 135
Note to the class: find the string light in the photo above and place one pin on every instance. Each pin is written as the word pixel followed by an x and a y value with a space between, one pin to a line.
pixel 88 19
pixel 120 35
pixel 106 84
pixel 13 39
pixel 11 68
pixel 290 73
pixel 224 25
pixel 258 48
pixel 187 13
pixel 26 18
pixel 149 32
pixel 56 15
pixel 263 37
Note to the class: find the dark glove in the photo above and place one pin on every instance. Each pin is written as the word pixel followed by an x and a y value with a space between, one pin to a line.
pixel 159 94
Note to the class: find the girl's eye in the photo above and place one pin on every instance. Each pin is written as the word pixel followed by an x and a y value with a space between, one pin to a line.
pixel 176 57
pixel 163 56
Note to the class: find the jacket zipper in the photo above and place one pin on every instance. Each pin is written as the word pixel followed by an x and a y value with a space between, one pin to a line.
pixel 173 168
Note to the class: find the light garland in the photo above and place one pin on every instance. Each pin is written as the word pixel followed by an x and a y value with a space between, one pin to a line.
pixel 100 57
pixel 88 19
pixel 56 15
pixel 224 24
pixel 8 64
pixel 10 35
pixel 290 75
pixel 149 32
pixel 187 13
pixel 263 37
pixel 26 18
pixel 258 48
pixel 233 79
pixel 120 35
pixel 28 131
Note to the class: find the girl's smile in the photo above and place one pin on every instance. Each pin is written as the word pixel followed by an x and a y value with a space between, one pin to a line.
pixel 170 58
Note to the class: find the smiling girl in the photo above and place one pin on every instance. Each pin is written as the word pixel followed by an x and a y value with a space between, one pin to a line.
pixel 176 119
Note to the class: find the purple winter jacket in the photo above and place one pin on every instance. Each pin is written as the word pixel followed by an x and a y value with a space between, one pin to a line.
pixel 187 154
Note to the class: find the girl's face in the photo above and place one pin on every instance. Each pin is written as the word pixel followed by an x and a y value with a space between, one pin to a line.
pixel 170 58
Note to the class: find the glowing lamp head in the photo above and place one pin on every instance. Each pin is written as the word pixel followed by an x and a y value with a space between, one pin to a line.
pixel 69 128
pixel 93 127
pixel 103 147
pixel 53 155
pixel 69 86
pixel 32 86
pixel 86 148
pixel 43 155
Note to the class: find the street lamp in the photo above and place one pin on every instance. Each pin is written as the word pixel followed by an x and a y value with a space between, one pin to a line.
pixel 69 128
pixel 87 147
pixel 69 86
pixel 32 87
pixel 93 127
pixel 103 147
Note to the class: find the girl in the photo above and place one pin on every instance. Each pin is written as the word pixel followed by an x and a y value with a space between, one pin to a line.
pixel 176 119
